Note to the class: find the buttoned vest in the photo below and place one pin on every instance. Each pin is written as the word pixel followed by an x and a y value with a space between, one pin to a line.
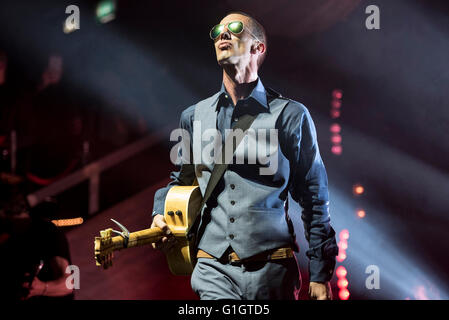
pixel 247 211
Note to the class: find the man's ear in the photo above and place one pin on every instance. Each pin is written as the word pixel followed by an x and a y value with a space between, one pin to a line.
pixel 258 46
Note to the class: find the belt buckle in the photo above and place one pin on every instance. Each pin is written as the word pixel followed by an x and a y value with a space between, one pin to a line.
pixel 230 261
pixel 233 262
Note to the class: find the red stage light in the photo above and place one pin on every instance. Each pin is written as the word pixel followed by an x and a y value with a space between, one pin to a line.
pixel 343 245
pixel 358 189
pixel 336 104
pixel 335 113
pixel 341 272
pixel 344 234
pixel 336 138
pixel 344 294
pixel 337 94
pixel 341 256
pixel 342 283
pixel 361 213
pixel 337 150
pixel 335 128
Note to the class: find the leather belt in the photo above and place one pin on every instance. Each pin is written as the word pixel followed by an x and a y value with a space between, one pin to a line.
pixel 275 254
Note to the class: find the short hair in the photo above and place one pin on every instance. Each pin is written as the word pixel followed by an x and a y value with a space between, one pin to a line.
pixel 258 30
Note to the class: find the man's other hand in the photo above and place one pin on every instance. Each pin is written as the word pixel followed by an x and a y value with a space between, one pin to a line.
pixel 166 243
pixel 320 291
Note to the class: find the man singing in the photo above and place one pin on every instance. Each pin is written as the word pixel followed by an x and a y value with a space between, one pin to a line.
pixel 246 240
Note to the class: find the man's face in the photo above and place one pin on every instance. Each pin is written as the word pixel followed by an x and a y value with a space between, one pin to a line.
pixel 231 48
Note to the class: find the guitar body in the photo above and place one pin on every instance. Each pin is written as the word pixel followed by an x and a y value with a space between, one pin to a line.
pixel 181 208
pixel 182 205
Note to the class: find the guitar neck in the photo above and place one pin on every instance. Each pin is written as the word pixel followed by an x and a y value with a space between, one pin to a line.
pixel 138 238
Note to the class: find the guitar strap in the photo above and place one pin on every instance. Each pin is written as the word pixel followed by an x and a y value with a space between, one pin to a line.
pixel 219 169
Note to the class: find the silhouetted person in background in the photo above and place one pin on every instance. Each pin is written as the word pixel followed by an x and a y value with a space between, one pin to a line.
pixel 34 252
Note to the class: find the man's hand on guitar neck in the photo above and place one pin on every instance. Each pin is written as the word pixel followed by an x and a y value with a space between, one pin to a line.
pixel 166 243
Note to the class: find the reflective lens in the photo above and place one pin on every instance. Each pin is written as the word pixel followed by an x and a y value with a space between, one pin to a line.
pixel 215 32
pixel 235 27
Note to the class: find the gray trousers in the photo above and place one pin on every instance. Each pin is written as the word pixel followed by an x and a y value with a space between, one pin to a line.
pixel 272 280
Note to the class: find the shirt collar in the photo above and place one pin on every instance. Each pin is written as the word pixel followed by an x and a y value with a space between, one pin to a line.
pixel 258 93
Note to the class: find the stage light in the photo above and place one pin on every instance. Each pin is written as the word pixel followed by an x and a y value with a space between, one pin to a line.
pixel 335 128
pixel 420 293
pixel 337 94
pixel 342 283
pixel 336 103
pixel 341 272
pixel 358 189
pixel 344 294
pixel 396 281
pixel 337 150
pixel 361 213
pixel 343 245
pixel 335 113
pixel 106 11
pixel 67 222
pixel 341 256
pixel 336 138
pixel 344 234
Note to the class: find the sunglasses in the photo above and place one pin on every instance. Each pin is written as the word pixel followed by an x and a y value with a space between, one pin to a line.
pixel 236 27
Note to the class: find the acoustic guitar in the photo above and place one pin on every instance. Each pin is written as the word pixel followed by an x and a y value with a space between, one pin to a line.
pixel 181 208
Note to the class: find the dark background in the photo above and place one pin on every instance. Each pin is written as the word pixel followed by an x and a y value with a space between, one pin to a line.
pixel 156 58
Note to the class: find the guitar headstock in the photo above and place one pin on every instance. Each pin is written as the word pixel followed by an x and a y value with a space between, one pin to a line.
pixel 104 249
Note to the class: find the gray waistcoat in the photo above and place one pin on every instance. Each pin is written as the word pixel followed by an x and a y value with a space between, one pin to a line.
pixel 248 213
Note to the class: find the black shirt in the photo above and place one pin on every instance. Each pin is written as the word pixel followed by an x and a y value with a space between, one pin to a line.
pixel 22 253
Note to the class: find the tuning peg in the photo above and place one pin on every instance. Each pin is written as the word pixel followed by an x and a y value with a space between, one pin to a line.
pixel 106 235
